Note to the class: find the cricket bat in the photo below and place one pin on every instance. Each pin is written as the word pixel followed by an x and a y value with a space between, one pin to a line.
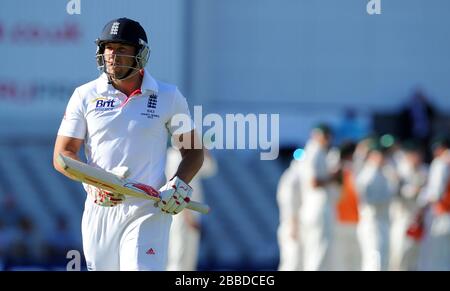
pixel 109 182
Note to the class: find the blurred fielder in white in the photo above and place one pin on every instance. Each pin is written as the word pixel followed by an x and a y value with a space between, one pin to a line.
pixel 434 254
pixel 413 176
pixel 124 119
pixel 375 187
pixel 317 209
pixel 289 201
pixel 184 238
pixel 347 253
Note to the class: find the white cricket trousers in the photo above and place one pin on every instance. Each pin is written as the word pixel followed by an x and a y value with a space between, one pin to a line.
pixel 128 237
pixel 290 249
pixel 373 236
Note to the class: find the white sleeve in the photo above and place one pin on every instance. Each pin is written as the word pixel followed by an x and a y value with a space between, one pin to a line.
pixel 436 183
pixel 74 121
pixel 180 121
pixel 173 161
pixel 288 194
pixel 360 184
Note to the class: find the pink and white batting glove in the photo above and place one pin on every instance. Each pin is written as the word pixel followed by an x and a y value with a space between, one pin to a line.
pixel 106 198
pixel 175 196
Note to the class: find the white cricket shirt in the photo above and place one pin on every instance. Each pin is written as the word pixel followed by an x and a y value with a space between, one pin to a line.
pixel 120 131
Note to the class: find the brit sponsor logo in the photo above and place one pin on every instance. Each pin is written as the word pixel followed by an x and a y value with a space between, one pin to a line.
pixel 104 104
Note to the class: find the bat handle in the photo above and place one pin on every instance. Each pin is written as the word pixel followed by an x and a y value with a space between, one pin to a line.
pixel 199 207
pixel 195 206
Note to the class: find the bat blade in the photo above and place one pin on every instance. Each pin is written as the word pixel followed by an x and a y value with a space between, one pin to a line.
pixel 107 181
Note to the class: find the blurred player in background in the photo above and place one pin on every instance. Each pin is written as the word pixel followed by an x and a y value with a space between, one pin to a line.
pixel 376 187
pixel 347 252
pixel 289 201
pixel 362 152
pixel 317 209
pixel 413 175
pixel 184 238
pixel 435 245
pixel 123 118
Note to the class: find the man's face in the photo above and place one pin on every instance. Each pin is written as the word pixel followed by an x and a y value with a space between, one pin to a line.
pixel 437 151
pixel 376 157
pixel 118 59
pixel 322 138
pixel 327 138
pixel 414 158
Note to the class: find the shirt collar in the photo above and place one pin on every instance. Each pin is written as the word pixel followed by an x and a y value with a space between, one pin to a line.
pixel 148 84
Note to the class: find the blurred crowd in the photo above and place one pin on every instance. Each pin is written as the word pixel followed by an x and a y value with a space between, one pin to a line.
pixel 372 203
pixel 23 245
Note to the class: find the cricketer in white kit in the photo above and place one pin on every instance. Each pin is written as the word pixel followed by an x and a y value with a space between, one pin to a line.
pixel 376 186
pixel 434 253
pixel 317 210
pixel 289 229
pixel 123 118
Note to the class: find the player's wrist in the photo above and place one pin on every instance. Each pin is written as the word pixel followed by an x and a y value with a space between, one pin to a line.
pixel 181 187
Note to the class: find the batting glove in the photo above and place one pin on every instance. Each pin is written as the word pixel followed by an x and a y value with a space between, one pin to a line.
pixel 175 196
pixel 106 198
